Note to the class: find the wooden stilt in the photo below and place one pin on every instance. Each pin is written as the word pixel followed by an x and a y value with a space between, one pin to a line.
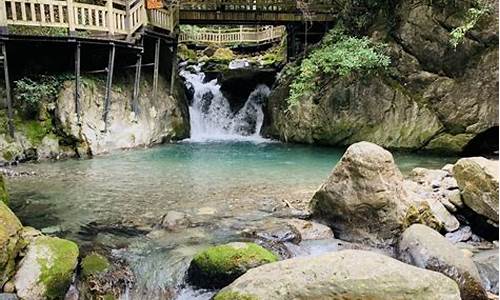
pixel 109 82
pixel 137 79
pixel 77 81
pixel 156 67
pixel 10 112
pixel 174 68
pixel 290 35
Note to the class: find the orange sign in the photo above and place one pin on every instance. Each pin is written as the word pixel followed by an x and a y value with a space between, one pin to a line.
pixel 154 4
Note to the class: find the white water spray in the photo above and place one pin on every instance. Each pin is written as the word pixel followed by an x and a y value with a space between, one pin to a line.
pixel 210 113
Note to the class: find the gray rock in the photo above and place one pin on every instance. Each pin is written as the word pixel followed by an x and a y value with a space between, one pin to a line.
pixel 425 248
pixel 173 220
pixel 487 264
pixel 8 296
pixel 363 199
pixel 477 178
pixel 341 275
pixel 310 230
pixel 461 235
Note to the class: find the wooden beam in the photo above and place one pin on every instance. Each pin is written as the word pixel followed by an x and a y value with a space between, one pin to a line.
pixel 173 71
pixel 77 81
pixel 10 112
pixel 156 67
pixel 137 79
pixel 109 82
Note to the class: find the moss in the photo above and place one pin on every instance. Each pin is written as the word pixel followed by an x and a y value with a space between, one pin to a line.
pixel 232 295
pixel 220 265
pixel 223 55
pixel 10 242
pixel 94 264
pixel 57 270
pixel 42 30
pixel 4 196
pixel 448 143
pixel 34 130
pixel 422 215
pixel 185 53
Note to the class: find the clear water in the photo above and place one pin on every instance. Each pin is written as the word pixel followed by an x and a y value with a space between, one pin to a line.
pixel 111 202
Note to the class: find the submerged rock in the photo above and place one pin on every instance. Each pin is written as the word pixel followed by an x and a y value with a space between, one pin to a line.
pixel 477 178
pixel 364 199
pixel 341 275
pixel 10 242
pixel 94 264
pixel 47 269
pixel 218 266
pixel 426 248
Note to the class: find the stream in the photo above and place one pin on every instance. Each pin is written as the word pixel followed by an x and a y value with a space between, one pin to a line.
pixel 225 179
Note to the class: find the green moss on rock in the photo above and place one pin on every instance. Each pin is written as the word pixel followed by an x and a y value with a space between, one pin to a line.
pixel 448 143
pixel 94 264
pixel 185 53
pixel 422 215
pixel 223 55
pixel 4 196
pixel 10 242
pixel 57 270
pixel 218 266
pixel 232 295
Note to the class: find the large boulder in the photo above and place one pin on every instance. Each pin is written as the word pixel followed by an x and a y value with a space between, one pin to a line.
pixel 477 178
pixel 364 199
pixel 347 274
pixel 10 242
pixel 218 266
pixel 47 269
pixel 426 248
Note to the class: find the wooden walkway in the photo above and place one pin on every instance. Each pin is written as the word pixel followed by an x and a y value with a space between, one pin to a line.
pixel 241 35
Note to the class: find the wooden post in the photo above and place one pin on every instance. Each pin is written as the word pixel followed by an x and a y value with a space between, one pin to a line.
pixel 109 82
pixel 71 17
pixel 241 34
pixel 156 67
pixel 290 41
pixel 174 67
pixel 3 17
pixel 10 112
pixel 77 81
pixel 137 79
pixel 128 26
pixel 111 17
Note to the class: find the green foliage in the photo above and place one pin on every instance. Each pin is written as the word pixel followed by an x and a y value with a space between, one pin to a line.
pixel 232 295
pixel 30 92
pixel 472 16
pixel 338 54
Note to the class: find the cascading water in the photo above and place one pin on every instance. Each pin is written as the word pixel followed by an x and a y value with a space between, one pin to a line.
pixel 211 115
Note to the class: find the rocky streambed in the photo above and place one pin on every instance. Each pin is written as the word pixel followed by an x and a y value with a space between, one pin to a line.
pixel 368 232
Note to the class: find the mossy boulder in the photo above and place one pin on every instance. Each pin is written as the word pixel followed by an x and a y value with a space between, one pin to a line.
pixel 4 196
pixel 223 55
pixel 94 264
pixel 47 268
pixel 218 266
pixel 10 242
pixel 186 54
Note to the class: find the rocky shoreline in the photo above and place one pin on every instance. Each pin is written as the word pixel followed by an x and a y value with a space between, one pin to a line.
pixel 371 233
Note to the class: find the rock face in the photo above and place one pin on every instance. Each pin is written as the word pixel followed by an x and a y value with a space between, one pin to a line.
pixel 477 178
pixel 220 265
pixel 436 97
pixel 311 230
pixel 4 196
pixel 47 269
pixel 426 248
pixel 341 275
pixel 10 242
pixel 160 118
pixel 363 199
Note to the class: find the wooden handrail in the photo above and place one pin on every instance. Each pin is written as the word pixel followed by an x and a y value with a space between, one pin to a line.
pixel 231 36
pixel 122 17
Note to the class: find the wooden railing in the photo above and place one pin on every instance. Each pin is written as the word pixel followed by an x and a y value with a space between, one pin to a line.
pixel 234 36
pixel 116 17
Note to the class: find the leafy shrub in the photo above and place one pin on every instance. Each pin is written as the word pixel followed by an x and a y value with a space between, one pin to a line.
pixel 30 92
pixel 472 16
pixel 338 54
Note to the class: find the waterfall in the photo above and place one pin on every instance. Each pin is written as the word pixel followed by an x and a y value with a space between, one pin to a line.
pixel 210 113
